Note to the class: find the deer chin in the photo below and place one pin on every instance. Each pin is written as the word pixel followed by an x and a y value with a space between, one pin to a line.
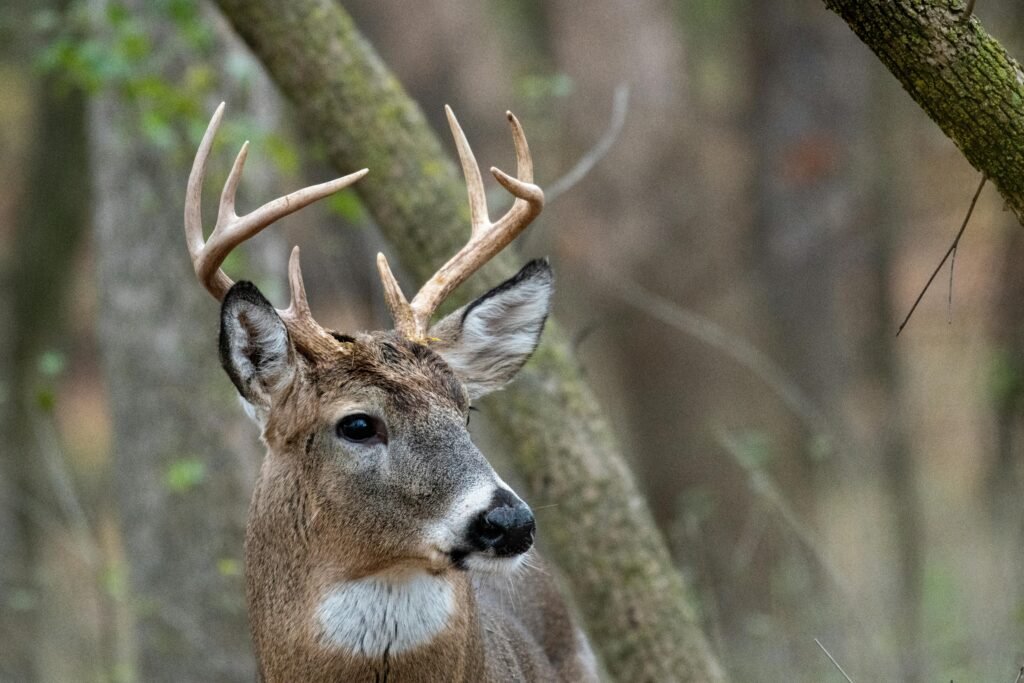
pixel 486 563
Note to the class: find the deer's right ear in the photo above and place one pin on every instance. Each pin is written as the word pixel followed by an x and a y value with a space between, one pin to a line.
pixel 254 346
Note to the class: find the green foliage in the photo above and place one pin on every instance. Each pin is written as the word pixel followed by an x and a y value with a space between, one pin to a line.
pixel 164 60
pixel 124 54
pixel 115 581
pixel 1005 379
pixel 752 448
pixel 229 566
pixel 49 366
pixel 184 474
pixel 46 399
pixel 51 363
pixel 543 87
pixel 347 205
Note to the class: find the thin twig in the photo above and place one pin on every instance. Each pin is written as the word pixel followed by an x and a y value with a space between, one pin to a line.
pixel 620 106
pixel 584 334
pixel 767 492
pixel 949 293
pixel 1020 675
pixel 63 485
pixel 829 655
pixel 950 251
pixel 732 345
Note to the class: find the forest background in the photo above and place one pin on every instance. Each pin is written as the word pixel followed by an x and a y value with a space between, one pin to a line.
pixel 761 205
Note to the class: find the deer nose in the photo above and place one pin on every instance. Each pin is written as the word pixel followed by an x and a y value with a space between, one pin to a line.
pixel 507 527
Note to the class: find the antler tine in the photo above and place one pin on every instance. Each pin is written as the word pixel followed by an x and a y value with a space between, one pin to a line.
pixel 226 212
pixel 232 229
pixel 298 306
pixel 479 219
pixel 486 238
pixel 398 305
pixel 529 198
pixel 194 190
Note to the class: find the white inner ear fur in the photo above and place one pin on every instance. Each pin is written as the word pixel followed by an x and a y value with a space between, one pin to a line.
pixel 498 335
pixel 374 615
pixel 256 334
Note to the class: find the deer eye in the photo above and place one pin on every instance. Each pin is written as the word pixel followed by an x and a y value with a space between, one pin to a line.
pixel 361 428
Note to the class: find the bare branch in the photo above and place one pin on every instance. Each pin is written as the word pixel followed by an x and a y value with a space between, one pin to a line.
pixel 620 107
pixel 965 93
pixel 949 252
pixel 829 655
pixel 732 345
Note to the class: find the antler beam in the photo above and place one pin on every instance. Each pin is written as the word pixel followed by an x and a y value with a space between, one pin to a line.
pixel 231 229
pixel 486 238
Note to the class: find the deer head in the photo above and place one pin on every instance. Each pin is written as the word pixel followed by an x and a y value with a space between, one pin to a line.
pixel 370 469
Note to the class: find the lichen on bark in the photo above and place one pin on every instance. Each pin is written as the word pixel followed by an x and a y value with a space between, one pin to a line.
pixel 960 76
pixel 600 533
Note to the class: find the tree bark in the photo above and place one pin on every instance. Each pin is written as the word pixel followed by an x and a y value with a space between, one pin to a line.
pixel 184 455
pixel 961 76
pixel 600 532
pixel 48 227
pixel 180 490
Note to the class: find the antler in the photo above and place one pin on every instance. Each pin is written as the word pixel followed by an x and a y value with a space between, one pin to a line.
pixel 232 229
pixel 486 238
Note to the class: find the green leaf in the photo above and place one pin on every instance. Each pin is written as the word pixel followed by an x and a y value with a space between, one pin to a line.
pixel 542 87
pixel 346 204
pixel 229 566
pixel 115 581
pixel 158 130
pixel 51 363
pixel 1005 378
pixel 117 14
pixel 46 399
pixel 282 153
pixel 185 474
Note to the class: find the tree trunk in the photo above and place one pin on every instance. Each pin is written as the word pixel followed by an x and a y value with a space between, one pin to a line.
pixel 180 487
pixel 48 228
pixel 185 457
pixel 600 532
pixel 961 76
pixel 881 376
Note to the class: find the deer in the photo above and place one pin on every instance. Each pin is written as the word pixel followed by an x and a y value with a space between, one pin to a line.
pixel 380 544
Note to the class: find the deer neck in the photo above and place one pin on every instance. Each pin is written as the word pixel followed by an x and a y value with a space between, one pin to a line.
pixel 317 615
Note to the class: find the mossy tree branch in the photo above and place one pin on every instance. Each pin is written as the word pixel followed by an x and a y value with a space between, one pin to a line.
pixel 959 74
pixel 601 532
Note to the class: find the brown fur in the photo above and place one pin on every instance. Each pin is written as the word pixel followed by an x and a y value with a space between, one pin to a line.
pixel 314 522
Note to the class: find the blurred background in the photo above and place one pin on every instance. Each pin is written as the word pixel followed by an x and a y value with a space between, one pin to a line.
pixel 761 206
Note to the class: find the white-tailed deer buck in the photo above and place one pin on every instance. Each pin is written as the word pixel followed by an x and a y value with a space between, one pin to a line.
pixel 380 544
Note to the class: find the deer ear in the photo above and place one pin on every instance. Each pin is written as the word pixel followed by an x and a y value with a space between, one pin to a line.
pixel 254 346
pixel 487 341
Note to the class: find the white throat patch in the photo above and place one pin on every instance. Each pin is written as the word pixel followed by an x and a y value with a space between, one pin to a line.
pixel 375 615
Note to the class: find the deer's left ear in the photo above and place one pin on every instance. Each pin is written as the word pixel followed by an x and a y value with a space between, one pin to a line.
pixel 255 349
pixel 489 340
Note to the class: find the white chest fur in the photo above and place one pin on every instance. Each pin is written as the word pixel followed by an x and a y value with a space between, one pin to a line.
pixel 374 615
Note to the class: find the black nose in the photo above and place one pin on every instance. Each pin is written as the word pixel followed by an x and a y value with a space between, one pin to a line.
pixel 507 527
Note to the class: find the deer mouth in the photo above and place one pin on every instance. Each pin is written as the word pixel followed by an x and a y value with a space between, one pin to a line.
pixel 467 560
